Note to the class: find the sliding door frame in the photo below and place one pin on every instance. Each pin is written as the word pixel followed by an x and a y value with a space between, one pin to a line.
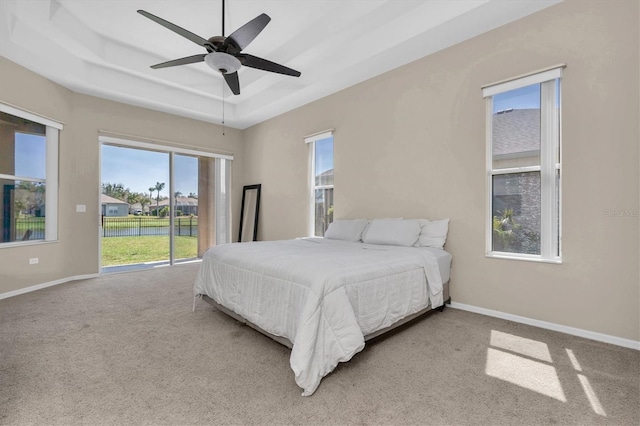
pixel 164 148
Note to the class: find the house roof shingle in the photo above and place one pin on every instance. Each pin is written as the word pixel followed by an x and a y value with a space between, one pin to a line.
pixel 105 199
pixel 516 131
pixel 180 201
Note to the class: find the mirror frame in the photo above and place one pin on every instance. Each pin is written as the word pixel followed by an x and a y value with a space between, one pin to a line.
pixel 245 213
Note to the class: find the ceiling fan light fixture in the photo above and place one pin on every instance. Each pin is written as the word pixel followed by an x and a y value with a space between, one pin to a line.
pixel 222 62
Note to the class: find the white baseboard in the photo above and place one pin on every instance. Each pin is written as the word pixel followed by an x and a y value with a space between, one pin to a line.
pixel 618 341
pixel 45 285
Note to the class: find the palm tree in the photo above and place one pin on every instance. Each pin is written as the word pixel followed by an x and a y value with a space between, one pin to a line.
pixel 175 201
pixel 159 187
pixel 144 200
pixel 133 198
pixel 151 189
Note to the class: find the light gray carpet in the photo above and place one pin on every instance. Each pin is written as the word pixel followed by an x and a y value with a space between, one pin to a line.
pixel 127 349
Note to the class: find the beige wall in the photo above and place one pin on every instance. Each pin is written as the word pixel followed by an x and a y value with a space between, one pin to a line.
pixel 412 143
pixel 76 252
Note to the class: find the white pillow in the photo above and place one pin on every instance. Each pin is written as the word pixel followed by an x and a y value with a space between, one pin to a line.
pixel 364 233
pixel 344 229
pixel 392 232
pixel 433 233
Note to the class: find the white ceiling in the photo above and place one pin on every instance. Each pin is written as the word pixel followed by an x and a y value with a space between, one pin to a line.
pixel 104 48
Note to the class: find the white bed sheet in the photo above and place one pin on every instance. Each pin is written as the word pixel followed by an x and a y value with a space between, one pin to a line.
pixel 323 295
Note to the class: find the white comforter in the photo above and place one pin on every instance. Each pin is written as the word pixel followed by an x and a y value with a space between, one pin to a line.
pixel 323 295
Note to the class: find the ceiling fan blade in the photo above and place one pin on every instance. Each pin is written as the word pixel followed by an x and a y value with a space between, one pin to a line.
pixel 265 65
pixel 233 82
pixel 176 29
pixel 182 61
pixel 246 33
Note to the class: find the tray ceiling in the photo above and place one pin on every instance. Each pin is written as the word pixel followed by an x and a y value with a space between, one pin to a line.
pixel 104 48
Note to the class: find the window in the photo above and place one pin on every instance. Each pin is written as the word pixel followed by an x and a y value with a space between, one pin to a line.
pixel 28 176
pixel 320 182
pixel 523 167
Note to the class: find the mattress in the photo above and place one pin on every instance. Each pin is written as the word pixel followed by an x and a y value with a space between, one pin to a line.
pixel 322 295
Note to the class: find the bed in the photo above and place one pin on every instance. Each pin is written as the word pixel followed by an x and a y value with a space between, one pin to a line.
pixel 324 297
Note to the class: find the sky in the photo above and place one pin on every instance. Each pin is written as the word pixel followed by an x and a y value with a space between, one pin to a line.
pixel 139 170
pixel 135 169
pixel 324 155
pixel 30 159
pixel 524 97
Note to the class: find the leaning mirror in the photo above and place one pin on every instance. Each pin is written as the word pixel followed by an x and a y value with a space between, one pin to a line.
pixel 249 213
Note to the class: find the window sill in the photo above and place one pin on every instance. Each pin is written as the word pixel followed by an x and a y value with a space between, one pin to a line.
pixel 526 258
pixel 26 243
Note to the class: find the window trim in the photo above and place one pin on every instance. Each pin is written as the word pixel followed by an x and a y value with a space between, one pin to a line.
pixel 28 115
pixel 312 187
pixel 540 76
pixel 52 139
pixel 550 143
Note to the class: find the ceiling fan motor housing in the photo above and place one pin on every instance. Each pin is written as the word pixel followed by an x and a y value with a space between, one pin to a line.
pixel 214 43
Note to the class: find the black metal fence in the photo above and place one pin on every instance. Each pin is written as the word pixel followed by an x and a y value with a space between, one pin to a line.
pixel 29 228
pixel 145 226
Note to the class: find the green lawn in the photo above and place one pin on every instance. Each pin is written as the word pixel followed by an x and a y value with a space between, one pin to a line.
pixel 128 250
pixel 33 223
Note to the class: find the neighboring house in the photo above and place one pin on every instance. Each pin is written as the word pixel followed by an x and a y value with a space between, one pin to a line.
pixel 113 207
pixel 187 206
pixel 137 209
pixel 325 178
pixel 516 142
pixel 323 202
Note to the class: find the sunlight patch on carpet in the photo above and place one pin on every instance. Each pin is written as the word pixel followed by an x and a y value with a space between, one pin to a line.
pixel 574 360
pixel 524 372
pixel 591 396
pixel 521 345
pixel 586 386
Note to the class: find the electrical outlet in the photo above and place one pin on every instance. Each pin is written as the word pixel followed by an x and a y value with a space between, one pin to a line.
pixel 33 260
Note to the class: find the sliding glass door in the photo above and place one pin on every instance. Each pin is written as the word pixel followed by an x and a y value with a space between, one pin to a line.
pixel 160 207
pixel 185 207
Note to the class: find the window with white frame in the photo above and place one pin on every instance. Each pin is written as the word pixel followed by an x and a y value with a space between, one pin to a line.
pixel 524 166
pixel 320 182
pixel 28 176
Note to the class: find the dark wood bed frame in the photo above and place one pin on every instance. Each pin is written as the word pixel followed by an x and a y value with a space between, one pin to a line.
pixel 284 341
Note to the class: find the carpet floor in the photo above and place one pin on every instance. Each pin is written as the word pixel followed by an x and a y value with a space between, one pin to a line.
pixel 127 349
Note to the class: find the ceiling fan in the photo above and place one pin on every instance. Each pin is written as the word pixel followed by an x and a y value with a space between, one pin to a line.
pixel 224 53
